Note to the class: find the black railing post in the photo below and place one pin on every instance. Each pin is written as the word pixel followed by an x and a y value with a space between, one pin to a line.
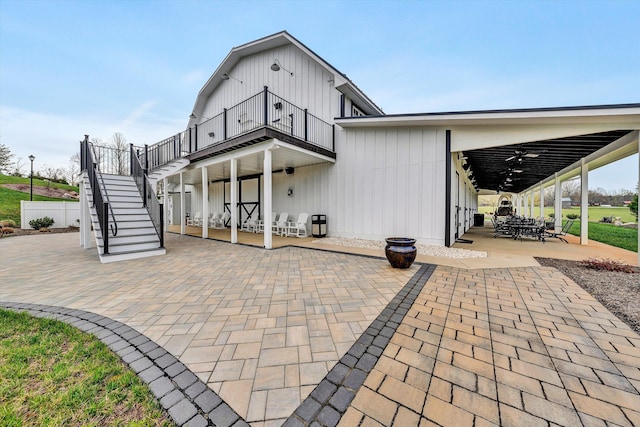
pixel 162 224
pixel 224 124
pixel 190 140
pixel 266 106
pixel 196 138
pixel 131 154
pixel 105 227
pixel 333 138
pixel 306 122
pixel 292 124
pixel 146 156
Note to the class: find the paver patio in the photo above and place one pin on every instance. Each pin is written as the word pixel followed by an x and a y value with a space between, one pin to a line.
pixel 263 329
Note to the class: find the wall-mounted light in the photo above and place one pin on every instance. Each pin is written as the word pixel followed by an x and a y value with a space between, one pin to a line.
pixel 227 76
pixel 192 116
pixel 290 192
pixel 211 134
pixel 278 105
pixel 277 65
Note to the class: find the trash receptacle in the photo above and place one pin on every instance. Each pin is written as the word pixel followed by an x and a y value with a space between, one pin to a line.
pixel 478 220
pixel 318 225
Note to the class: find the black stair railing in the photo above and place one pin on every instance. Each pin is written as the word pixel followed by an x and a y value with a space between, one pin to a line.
pixel 101 203
pixel 149 198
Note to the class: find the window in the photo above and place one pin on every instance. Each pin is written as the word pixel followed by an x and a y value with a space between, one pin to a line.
pixel 356 112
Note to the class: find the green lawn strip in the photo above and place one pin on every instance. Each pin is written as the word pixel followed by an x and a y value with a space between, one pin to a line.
pixel 620 237
pixel 56 375
pixel 596 213
pixel 6 179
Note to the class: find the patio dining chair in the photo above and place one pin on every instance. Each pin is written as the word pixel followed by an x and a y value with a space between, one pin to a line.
pixel 563 232
pixel 195 220
pixel 298 228
pixel 249 225
pixel 260 223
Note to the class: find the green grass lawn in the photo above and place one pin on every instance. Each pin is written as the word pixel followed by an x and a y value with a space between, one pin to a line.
pixel 10 199
pixel 52 374
pixel 596 213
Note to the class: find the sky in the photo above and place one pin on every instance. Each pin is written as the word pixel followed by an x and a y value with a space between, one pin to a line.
pixel 70 68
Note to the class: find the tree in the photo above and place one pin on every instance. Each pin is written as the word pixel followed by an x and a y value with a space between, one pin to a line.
pixel 72 172
pixel 5 159
pixel 120 156
pixel 634 204
pixel 17 167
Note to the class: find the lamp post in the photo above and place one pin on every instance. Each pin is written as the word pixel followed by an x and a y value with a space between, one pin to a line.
pixel 32 158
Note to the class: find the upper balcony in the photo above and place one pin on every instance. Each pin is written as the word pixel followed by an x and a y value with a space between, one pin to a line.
pixel 263 116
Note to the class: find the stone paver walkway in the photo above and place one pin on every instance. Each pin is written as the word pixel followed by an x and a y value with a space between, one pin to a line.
pixel 272 331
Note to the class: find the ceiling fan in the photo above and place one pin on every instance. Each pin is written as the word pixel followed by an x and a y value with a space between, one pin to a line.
pixel 519 155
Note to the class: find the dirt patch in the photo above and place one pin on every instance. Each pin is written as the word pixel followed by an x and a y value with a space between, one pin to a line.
pixel 30 231
pixel 618 292
pixel 44 191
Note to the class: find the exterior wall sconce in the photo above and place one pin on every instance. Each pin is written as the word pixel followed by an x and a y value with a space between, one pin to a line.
pixel 226 76
pixel 277 65
pixel 290 192
pixel 278 105
pixel 192 116
pixel 289 171
pixel 211 134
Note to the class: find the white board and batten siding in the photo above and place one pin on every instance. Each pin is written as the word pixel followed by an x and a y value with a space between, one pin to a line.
pixel 64 214
pixel 390 182
pixel 311 85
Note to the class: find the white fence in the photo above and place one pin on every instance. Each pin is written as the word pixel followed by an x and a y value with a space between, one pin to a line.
pixel 63 213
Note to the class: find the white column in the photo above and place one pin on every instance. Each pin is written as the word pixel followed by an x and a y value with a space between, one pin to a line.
pixel 638 140
pixel 85 217
pixel 541 200
pixel 183 206
pixel 525 200
pixel 584 202
pixel 165 203
pixel 532 205
pixel 205 203
pixel 557 205
pixel 268 199
pixel 234 200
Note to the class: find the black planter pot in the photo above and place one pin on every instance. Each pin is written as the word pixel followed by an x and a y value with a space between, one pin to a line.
pixel 400 251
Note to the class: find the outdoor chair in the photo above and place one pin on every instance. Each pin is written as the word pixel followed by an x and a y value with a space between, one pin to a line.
pixel 220 222
pixel 213 218
pixel 501 229
pixel 249 225
pixel 260 223
pixel 299 227
pixel 280 225
pixel 195 220
pixel 563 232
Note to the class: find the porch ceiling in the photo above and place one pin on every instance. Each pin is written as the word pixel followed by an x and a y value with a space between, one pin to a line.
pixel 515 168
pixel 251 163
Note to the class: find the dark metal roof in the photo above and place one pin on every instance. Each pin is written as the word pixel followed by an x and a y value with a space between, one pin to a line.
pixel 514 168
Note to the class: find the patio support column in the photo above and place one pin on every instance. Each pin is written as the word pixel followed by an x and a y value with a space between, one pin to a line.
pixel 532 205
pixel 525 199
pixel 584 202
pixel 268 199
pixel 85 217
pixel 234 200
pixel 205 203
pixel 557 204
pixel 183 206
pixel 541 201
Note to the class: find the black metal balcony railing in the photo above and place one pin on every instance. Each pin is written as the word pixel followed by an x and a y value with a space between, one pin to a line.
pixel 264 109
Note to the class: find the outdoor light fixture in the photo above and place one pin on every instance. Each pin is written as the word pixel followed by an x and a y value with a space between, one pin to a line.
pixel 192 116
pixel 32 158
pixel 277 65
pixel 211 134
pixel 226 76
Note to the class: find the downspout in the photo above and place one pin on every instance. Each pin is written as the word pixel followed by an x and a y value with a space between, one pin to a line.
pixel 447 204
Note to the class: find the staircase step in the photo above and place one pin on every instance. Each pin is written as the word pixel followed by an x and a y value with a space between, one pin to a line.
pixel 129 255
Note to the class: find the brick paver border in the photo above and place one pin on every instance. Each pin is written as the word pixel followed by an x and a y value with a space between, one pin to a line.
pixel 188 401
pixel 330 399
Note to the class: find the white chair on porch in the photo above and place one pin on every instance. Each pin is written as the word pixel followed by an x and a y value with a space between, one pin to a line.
pixel 279 226
pixel 196 220
pixel 214 218
pixel 249 225
pixel 220 223
pixel 298 228
pixel 260 223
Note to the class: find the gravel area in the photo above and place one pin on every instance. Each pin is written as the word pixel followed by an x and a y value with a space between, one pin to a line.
pixel 618 292
pixel 439 251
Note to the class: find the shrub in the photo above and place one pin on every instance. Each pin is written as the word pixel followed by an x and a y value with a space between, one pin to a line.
pixel 39 223
pixel 572 216
pixel 606 264
pixel 8 223
pixel 552 215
